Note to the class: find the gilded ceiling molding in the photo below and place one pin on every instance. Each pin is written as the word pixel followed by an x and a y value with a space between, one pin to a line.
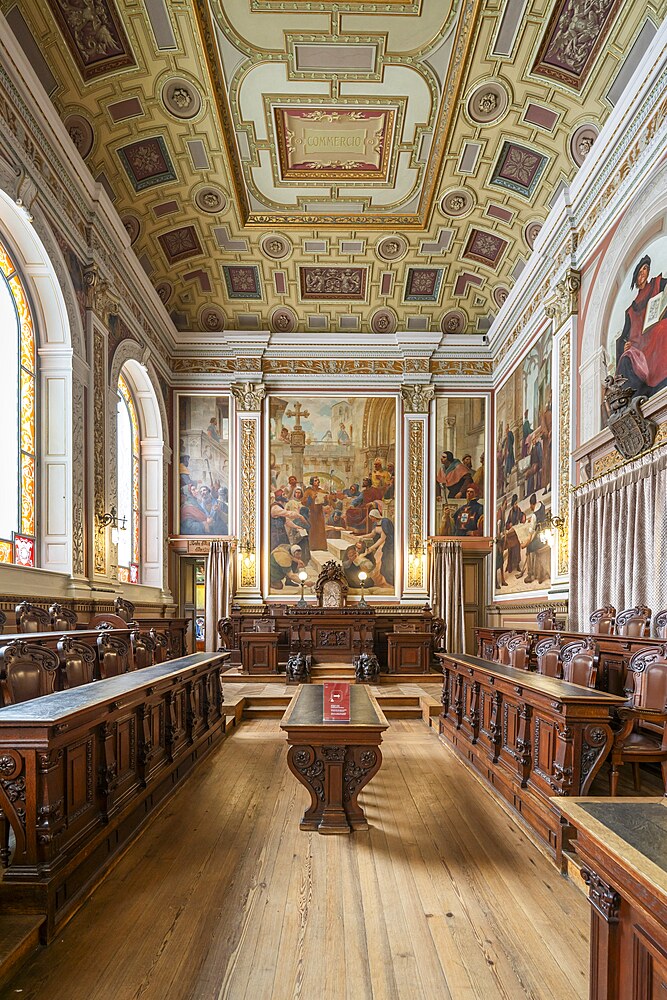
pixel 417 398
pixel 565 300
pixel 249 396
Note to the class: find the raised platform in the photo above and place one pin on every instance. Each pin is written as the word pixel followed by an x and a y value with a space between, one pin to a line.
pixel 330 672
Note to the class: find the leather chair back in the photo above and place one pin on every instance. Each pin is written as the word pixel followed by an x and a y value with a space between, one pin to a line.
pixel 660 621
pixel 113 655
pixel 547 655
pixel 32 619
pixel 143 649
pixel 634 622
pixel 518 650
pixel 31 671
pixel 160 646
pixel 580 662
pixel 501 654
pixel 546 619
pixel 78 661
pixel 648 669
pixel 62 619
pixel 602 620
pixel 124 609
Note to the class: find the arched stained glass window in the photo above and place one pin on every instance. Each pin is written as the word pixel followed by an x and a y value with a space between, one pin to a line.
pixel 129 503
pixel 17 418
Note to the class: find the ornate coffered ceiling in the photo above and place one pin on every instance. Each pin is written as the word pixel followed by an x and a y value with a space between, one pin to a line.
pixel 351 167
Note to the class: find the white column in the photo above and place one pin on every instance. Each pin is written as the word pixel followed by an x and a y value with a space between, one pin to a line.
pixel 592 374
pixel 151 513
pixel 55 458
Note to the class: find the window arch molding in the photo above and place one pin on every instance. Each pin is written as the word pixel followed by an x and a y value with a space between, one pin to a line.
pixel 54 385
pixel 141 378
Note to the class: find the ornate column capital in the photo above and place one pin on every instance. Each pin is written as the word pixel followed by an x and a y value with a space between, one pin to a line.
pixel 100 296
pixel 417 398
pixel 564 300
pixel 249 395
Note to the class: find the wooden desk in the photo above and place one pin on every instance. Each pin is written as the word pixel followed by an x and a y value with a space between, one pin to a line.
pixel 615 652
pixel 527 735
pixel 621 843
pixel 81 770
pixel 333 760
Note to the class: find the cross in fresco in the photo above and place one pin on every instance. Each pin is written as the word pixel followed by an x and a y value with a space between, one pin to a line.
pixel 297 413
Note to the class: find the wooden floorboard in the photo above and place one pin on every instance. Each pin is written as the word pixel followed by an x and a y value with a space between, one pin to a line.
pixel 224 898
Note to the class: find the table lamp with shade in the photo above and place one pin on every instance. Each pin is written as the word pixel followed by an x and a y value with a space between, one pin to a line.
pixel 362 580
pixel 302 602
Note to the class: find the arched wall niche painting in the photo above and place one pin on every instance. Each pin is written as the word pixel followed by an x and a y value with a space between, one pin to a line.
pixel 332 490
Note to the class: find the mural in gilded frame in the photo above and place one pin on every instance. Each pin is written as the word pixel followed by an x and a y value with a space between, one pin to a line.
pixel 203 432
pixel 523 474
pixel 460 466
pixel 637 344
pixel 332 490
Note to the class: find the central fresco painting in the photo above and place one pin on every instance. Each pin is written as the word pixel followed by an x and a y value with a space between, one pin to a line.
pixel 332 492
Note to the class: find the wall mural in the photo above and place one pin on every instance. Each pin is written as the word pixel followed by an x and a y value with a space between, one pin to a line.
pixel 460 470
pixel 332 492
pixel 203 425
pixel 637 343
pixel 523 474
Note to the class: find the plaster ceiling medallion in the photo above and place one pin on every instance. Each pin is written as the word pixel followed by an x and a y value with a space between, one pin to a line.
pixel 181 98
pixel 283 320
pixel 500 294
pixel 457 202
pixel 488 102
pixel 132 226
pixel 383 321
pixel 392 248
pixel 275 246
pixel 454 321
pixel 210 200
pixel 582 141
pixel 531 231
pixel 164 290
pixel 81 133
pixel 212 319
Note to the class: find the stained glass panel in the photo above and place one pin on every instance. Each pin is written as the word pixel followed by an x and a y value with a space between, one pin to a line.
pixel 6 548
pixel 24 550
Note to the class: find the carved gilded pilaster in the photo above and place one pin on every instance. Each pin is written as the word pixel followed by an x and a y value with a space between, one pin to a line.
pixel 416 504
pixel 78 472
pixel 99 434
pixel 564 453
pixel 248 428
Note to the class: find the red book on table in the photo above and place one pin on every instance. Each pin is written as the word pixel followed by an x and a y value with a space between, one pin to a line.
pixel 336 701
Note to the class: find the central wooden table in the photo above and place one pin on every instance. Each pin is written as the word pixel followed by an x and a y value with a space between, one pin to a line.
pixel 334 760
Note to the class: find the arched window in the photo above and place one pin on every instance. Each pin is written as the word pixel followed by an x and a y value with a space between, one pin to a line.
pixel 17 418
pixel 129 489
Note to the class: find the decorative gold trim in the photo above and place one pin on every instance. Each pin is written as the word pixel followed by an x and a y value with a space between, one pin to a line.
pixel 249 395
pixel 99 436
pixel 248 501
pixel 416 504
pixel 564 452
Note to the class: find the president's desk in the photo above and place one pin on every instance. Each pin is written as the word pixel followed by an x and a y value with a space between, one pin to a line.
pixel 530 737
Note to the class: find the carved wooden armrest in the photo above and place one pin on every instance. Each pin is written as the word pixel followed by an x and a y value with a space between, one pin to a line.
pixel 629 716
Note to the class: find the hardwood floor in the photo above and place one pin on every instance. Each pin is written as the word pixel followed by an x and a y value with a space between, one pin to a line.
pixel 224 898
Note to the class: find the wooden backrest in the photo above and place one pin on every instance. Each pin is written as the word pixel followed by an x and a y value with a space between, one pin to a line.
pixel 547 655
pixel 408 627
pixel 501 654
pixel 518 650
pixel 225 632
pixel 602 620
pixel 546 619
pixel 78 661
pixel 62 619
pixel 143 649
pixel 264 625
pixel 30 671
pixel 660 622
pixel 634 622
pixel 32 619
pixel 648 669
pixel 580 662
pixel 160 646
pixel 124 609
pixel 113 655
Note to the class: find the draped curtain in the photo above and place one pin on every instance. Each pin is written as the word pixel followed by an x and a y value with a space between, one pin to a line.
pixel 218 588
pixel 619 540
pixel 446 587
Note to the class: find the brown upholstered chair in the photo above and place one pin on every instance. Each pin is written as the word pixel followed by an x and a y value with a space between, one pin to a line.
pixel 546 619
pixel 124 609
pixel 32 619
pixel 143 649
pixel 500 654
pixel 113 654
pixel 580 661
pixel 161 646
pixel 62 619
pixel 635 623
pixel 642 738
pixel 518 650
pixel 30 671
pixel 77 661
pixel 547 656
pixel 602 620
pixel 660 622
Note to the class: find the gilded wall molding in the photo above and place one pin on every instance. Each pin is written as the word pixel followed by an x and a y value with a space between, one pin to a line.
pixel 416 563
pixel 99 437
pixel 78 471
pixel 417 398
pixel 564 406
pixel 249 396
pixel 248 497
pixel 565 300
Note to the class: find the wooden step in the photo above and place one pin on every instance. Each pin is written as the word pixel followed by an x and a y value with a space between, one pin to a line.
pixel 398 699
pixel 402 712
pixel 19 938
pixel 263 712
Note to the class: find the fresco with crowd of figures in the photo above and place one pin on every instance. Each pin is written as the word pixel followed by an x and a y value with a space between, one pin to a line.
pixel 523 464
pixel 460 471
pixel 203 434
pixel 332 490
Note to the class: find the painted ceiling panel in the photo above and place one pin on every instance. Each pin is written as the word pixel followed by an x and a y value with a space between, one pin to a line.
pixel 362 166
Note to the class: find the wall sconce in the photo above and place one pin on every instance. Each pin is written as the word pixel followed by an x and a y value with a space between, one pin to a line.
pixel 247 552
pixel 111 520
pixel 551 528
pixel 417 552
pixel 302 602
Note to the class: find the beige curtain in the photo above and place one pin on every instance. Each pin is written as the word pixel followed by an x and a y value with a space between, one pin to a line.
pixel 446 587
pixel 219 563
pixel 619 540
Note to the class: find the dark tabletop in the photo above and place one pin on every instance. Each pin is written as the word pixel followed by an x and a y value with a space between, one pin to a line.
pixel 643 825
pixel 309 708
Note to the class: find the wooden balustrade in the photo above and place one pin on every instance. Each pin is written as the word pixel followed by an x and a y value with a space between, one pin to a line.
pixel 81 770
